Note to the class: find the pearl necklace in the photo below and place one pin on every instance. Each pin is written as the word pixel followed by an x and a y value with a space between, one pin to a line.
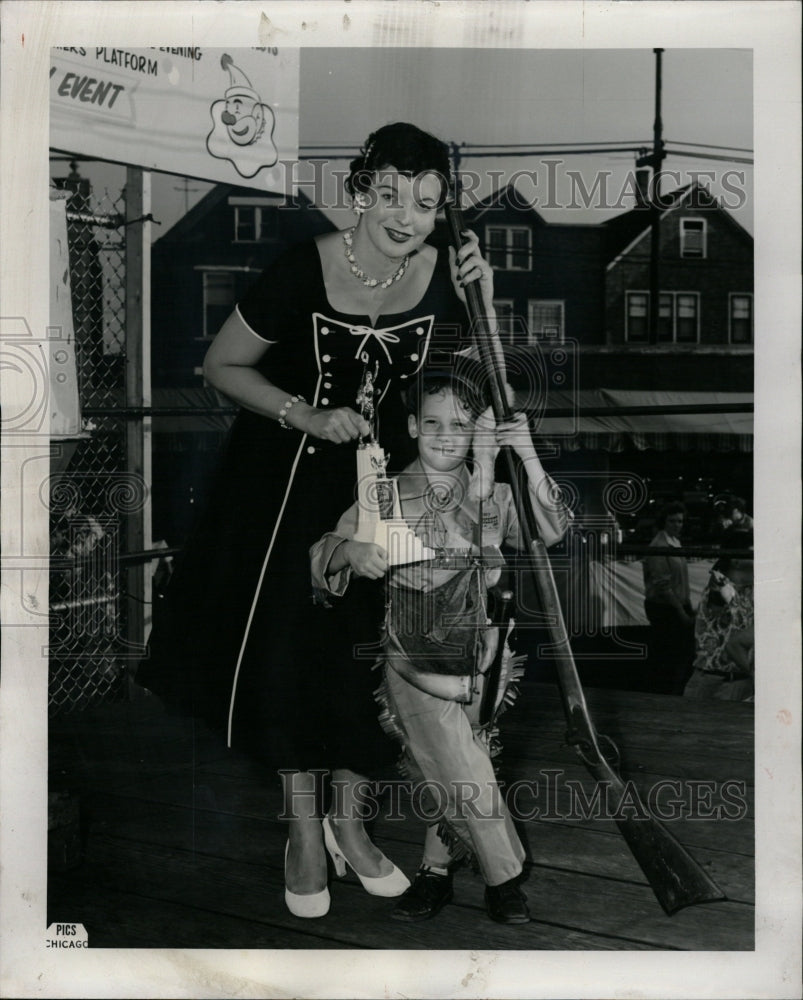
pixel 359 273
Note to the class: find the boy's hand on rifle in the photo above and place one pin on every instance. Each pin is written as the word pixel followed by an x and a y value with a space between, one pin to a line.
pixel 484 445
pixel 366 559
pixel 515 434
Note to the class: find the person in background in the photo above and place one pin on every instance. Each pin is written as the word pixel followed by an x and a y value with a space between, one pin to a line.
pixel 724 636
pixel 667 604
pixel 740 520
pixel 730 512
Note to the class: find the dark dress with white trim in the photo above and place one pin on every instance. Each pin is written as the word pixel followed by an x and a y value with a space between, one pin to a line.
pixel 239 639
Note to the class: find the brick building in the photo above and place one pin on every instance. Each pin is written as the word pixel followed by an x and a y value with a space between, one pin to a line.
pixel 204 263
pixel 590 284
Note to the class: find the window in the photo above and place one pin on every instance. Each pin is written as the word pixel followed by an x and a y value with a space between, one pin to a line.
pixel 546 319
pixel 504 318
pixel 678 317
pixel 252 223
pixel 637 318
pixel 687 318
pixel 692 238
pixel 508 247
pixel 741 318
pixel 219 299
pixel 666 318
pixel 245 224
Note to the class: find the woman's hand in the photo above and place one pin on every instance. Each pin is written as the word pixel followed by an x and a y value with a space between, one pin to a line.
pixel 339 425
pixel 468 265
pixel 366 559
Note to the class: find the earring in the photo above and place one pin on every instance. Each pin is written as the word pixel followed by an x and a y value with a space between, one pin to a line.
pixel 359 204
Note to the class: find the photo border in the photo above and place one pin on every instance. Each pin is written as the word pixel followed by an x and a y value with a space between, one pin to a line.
pixel 771 29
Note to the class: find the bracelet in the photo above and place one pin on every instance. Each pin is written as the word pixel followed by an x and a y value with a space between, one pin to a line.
pixel 285 410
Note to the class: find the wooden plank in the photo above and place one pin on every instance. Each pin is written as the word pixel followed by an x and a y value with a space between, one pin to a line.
pixel 699 713
pixel 235 795
pixel 645 766
pixel 196 800
pixel 117 747
pixel 734 742
pixel 355 920
pixel 559 845
pixel 115 919
pixel 585 851
pixel 733 738
pixel 736 836
pixel 631 911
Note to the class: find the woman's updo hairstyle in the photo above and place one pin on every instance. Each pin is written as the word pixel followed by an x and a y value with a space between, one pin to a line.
pixel 407 148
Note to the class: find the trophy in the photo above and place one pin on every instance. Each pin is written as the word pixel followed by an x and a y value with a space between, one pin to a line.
pixel 379 515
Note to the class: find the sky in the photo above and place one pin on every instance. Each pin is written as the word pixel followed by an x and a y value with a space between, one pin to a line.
pixel 513 96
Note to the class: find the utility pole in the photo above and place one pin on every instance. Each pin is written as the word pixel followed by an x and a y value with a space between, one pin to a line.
pixel 655 160
pixel 456 160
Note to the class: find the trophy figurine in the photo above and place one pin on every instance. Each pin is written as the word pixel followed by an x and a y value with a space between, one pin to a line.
pixel 379 516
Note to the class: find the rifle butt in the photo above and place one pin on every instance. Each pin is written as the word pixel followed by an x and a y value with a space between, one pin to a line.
pixel 674 876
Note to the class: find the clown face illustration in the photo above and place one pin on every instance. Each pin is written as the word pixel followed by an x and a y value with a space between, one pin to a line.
pixel 242 125
pixel 243 117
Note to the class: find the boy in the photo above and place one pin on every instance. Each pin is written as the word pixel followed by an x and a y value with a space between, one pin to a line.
pixel 437 640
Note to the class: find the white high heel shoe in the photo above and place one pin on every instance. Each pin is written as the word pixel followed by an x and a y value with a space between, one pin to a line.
pixel 315 904
pixel 393 884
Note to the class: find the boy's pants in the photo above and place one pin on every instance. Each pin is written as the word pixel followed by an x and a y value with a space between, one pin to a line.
pixel 441 741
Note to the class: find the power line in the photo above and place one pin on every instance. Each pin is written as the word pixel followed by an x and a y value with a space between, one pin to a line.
pixel 551 147
pixel 709 145
pixel 499 153
pixel 502 151
pixel 530 145
pixel 708 156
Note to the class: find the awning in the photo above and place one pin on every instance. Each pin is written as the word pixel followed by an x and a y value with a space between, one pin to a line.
pixel 686 421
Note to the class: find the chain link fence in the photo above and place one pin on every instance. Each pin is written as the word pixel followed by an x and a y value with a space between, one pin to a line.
pixel 87 526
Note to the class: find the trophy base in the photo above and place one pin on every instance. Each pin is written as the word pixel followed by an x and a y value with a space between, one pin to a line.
pixel 397 539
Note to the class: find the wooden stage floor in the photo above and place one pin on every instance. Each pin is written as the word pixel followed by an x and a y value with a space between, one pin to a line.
pixel 182 847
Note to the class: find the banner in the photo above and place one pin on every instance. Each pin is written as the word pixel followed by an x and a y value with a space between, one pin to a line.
pixel 215 114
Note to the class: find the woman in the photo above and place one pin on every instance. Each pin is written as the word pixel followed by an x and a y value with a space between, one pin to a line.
pixel 294 353
pixel 724 628
pixel 667 604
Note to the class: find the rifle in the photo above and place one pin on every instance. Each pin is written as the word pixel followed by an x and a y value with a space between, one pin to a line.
pixel 674 876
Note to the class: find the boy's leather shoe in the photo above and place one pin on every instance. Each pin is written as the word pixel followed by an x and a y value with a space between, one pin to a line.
pixel 428 894
pixel 506 903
